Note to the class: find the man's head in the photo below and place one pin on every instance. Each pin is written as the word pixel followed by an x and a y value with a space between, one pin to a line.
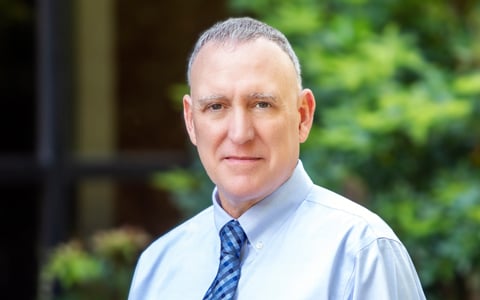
pixel 246 111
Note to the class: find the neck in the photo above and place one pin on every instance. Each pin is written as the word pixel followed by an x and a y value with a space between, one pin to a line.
pixel 236 209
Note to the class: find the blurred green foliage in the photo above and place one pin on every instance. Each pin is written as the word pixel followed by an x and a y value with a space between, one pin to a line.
pixel 397 126
pixel 100 268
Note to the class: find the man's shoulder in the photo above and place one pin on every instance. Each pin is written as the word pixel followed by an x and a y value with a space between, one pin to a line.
pixel 194 228
pixel 187 242
pixel 347 214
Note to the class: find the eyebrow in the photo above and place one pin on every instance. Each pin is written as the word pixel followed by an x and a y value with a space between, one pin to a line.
pixel 257 95
pixel 254 95
pixel 209 98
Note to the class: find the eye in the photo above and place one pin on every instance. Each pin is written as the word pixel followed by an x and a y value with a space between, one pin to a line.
pixel 215 106
pixel 263 105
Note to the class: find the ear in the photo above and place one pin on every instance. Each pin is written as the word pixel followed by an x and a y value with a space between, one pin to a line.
pixel 306 109
pixel 188 118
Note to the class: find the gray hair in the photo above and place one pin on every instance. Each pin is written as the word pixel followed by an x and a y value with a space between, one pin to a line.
pixel 244 30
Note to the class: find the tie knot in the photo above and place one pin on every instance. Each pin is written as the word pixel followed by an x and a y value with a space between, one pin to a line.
pixel 232 238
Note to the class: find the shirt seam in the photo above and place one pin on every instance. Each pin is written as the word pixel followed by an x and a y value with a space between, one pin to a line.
pixel 357 253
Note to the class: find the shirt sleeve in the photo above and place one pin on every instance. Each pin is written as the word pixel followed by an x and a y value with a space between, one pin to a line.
pixel 384 270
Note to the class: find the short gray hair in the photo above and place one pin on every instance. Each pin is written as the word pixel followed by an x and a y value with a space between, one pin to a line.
pixel 244 29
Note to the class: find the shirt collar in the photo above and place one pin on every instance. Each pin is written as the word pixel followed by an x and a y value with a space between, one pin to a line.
pixel 261 220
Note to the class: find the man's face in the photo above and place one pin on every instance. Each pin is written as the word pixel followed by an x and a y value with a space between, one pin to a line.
pixel 247 116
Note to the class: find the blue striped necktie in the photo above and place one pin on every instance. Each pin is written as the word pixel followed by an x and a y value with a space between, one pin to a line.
pixel 225 283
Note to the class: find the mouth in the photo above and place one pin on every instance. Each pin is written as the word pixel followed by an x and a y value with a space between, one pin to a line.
pixel 242 159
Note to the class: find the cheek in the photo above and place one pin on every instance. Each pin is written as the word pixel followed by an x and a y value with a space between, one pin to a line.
pixel 282 135
pixel 208 135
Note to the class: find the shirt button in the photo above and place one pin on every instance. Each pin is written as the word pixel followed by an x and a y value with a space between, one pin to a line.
pixel 259 245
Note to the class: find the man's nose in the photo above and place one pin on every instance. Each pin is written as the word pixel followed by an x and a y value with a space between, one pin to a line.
pixel 241 128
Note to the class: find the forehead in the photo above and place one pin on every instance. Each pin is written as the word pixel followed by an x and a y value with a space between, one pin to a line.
pixel 251 60
pixel 256 48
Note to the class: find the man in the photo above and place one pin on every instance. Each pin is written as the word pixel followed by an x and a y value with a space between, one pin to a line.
pixel 270 233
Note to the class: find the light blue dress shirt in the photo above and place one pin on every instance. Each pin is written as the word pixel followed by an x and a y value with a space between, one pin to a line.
pixel 304 242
